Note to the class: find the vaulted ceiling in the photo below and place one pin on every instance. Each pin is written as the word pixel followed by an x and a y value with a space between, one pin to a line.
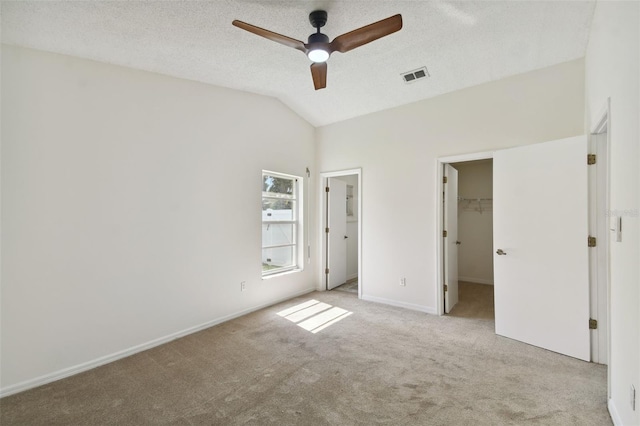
pixel 461 43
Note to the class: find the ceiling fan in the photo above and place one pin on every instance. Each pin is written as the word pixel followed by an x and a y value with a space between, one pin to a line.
pixel 318 48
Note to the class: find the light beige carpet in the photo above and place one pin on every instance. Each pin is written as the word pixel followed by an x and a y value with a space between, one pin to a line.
pixel 350 286
pixel 474 301
pixel 379 365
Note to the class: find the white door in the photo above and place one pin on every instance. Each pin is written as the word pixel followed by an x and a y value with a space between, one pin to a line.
pixel 540 236
pixel 337 236
pixel 451 238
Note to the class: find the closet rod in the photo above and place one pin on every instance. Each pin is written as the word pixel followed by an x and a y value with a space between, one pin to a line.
pixel 474 199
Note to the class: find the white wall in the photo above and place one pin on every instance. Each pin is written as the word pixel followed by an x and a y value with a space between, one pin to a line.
pixel 397 150
pixel 475 222
pixel 612 70
pixel 130 208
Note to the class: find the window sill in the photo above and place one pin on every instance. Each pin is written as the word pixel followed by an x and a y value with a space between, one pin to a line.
pixel 279 274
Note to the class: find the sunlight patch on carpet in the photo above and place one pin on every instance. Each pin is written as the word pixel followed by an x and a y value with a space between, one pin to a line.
pixel 314 316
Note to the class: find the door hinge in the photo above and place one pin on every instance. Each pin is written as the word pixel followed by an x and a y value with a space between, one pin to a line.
pixel 591 159
pixel 591 242
pixel 326 271
pixel 326 189
pixel 593 324
pixel 446 288
pixel 326 230
pixel 444 179
pixel 444 233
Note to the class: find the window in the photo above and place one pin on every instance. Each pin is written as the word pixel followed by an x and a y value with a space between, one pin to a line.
pixel 349 200
pixel 280 222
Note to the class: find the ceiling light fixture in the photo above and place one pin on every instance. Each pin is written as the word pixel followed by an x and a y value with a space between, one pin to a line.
pixel 318 44
pixel 318 55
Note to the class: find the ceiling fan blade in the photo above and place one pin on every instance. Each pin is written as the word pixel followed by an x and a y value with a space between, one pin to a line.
pixel 366 34
pixel 278 38
pixel 319 74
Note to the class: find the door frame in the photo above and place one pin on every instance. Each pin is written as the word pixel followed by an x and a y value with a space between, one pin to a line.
pixel 440 252
pixel 600 283
pixel 322 214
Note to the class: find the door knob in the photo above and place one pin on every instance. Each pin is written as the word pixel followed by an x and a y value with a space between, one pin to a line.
pixel 501 252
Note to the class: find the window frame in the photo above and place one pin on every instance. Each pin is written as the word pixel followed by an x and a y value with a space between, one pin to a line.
pixel 297 241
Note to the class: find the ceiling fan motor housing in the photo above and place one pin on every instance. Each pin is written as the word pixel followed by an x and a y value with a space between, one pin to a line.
pixel 318 38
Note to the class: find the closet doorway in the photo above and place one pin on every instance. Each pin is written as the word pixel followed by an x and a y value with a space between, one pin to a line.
pixel 526 181
pixel 473 244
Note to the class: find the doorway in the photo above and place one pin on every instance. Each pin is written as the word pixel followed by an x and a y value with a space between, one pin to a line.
pixel 474 239
pixel 341 229
pixel 473 244
pixel 526 236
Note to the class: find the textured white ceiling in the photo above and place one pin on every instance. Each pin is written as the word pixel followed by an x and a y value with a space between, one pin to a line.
pixel 461 43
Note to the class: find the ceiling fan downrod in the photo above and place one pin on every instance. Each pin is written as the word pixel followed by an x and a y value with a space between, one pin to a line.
pixel 318 19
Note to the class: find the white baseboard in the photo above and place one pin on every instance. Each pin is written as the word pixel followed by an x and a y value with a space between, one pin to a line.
pixel 476 280
pixel 85 366
pixel 412 306
pixel 352 276
pixel 613 412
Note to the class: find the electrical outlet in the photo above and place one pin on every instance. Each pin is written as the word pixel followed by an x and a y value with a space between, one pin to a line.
pixel 403 282
pixel 632 397
pixel 243 286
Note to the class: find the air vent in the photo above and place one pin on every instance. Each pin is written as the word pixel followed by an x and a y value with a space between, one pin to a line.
pixel 415 75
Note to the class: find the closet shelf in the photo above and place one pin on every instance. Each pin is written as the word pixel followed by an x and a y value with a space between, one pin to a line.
pixel 474 199
pixel 475 204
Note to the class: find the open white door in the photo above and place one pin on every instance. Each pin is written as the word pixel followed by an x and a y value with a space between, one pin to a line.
pixel 451 238
pixel 337 236
pixel 540 235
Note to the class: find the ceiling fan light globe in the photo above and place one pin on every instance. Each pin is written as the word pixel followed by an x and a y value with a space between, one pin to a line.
pixel 318 55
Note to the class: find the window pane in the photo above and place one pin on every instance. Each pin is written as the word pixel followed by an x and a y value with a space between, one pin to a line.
pixel 276 258
pixel 274 209
pixel 280 214
pixel 275 234
pixel 277 185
